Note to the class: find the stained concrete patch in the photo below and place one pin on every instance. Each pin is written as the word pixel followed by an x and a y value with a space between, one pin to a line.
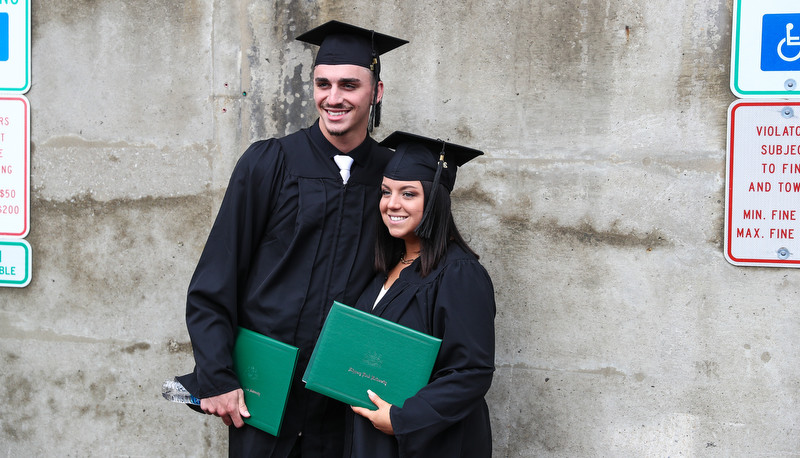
pixel 586 234
pixel 472 194
pixel 113 264
pixel 66 167
pixel 179 347
pixel 141 346
pixel 18 419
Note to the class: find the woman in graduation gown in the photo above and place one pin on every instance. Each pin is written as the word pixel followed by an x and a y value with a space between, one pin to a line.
pixel 431 281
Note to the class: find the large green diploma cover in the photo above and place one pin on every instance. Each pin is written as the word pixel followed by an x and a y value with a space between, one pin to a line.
pixel 357 351
pixel 265 367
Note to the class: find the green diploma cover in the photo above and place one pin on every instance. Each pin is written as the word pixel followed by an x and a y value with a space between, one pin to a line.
pixel 357 351
pixel 265 367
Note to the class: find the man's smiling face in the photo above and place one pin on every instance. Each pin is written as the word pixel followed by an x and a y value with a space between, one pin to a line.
pixel 343 96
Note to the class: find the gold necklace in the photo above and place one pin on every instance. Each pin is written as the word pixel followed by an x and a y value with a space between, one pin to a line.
pixel 406 261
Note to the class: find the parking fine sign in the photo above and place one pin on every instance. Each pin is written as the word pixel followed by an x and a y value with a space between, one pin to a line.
pixel 14 166
pixel 765 53
pixel 762 192
pixel 15 49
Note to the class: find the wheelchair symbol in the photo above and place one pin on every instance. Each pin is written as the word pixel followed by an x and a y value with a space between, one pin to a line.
pixel 789 41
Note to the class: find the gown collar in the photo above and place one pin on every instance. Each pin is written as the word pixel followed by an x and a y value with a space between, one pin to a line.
pixel 359 154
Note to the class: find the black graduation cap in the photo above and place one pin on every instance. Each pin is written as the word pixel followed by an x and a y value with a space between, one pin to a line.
pixel 342 44
pixel 425 159
pixel 422 158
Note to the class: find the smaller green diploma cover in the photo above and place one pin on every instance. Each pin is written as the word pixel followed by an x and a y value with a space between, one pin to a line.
pixel 357 351
pixel 265 367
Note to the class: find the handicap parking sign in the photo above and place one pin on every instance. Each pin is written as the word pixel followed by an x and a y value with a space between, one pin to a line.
pixel 15 49
pixel 780 42
pixel 765 49
pixel 3 37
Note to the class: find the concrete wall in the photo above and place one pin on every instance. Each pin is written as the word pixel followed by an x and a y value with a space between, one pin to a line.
pixel 598 210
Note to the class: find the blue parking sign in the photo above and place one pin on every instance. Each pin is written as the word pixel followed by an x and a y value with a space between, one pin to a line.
pixel 3 37
pixel 780 42
pixel 15 47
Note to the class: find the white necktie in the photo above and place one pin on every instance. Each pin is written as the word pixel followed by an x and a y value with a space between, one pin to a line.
pixel 344 163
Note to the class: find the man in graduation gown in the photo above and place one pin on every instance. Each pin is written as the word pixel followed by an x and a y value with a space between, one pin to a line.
pixel 293 234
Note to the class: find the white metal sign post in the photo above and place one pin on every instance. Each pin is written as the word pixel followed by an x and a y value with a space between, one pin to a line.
pixel 15 46
pixel 762 196
pixel 14 166
pixel 15 263
pixel 765 49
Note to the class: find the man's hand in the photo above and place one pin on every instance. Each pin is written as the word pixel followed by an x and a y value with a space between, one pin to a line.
pixel 229 406
pixel 380 418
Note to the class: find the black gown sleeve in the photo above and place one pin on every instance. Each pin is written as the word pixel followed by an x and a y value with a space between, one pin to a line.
pixel 216 286
pixel 463 316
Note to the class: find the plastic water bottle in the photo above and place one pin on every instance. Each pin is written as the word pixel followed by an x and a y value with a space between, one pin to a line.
pixel 172 390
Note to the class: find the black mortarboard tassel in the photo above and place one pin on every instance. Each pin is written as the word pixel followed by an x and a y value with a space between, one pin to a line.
pixel 418 158
pixel 343 44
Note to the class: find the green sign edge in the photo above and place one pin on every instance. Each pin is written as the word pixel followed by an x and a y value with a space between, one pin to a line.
pixel 26 247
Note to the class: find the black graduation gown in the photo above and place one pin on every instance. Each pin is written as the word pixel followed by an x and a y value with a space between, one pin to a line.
pixel 449 416
pixel 289 239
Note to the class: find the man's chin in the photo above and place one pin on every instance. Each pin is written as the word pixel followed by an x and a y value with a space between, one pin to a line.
pixel 336 131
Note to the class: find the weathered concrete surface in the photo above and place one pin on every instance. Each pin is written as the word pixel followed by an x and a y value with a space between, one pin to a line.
pixel 598 210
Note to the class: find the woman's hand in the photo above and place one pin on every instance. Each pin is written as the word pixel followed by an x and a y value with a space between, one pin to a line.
pixel 379 418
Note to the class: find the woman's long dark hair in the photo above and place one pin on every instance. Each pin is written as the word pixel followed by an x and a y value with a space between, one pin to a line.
pixel 389 249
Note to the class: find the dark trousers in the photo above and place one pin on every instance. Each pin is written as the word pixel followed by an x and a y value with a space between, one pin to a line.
pixel 247 441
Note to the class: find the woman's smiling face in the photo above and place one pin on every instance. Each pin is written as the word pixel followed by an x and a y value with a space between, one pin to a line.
pixel 402 204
